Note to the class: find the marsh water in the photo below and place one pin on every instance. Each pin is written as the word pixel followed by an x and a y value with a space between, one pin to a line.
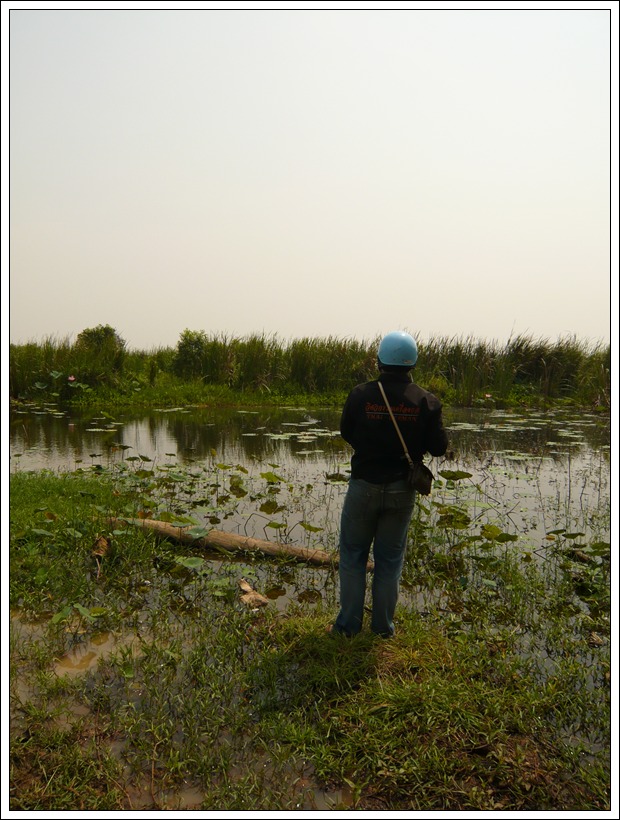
pixel 538 466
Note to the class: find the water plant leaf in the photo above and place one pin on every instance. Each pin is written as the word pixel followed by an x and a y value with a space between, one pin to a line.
pixel 270 506
pixel 176 476
pixel 236 486
pixel 490 532
pixel 453 517
pixel 454 475
pixel 197 532
pixel 190 561
pixel 309 527
pixel 271 477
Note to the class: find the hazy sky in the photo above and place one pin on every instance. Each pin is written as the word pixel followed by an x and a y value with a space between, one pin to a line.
pixel 310 173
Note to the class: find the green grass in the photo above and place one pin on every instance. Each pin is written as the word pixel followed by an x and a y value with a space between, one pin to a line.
pixel 427 721
pixel 494 695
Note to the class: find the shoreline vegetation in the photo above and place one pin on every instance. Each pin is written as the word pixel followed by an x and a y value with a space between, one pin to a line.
pixel 256 370
pixel 147 674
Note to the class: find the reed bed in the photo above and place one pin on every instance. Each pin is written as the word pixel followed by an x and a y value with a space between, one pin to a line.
pixel 462 371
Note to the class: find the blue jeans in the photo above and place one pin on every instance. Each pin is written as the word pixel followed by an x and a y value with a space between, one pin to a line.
pixel 379 513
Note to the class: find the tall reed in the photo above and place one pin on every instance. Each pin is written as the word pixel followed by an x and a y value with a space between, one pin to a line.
pixel 462 371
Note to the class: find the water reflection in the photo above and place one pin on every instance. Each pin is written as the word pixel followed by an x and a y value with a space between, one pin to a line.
pixel 47 438
pixel 533 469
pixel 44 438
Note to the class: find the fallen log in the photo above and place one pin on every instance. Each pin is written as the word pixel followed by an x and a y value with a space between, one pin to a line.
pixel 230 542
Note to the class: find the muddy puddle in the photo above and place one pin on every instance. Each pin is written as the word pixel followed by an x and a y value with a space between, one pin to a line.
pixel 83 659
pixel 85 656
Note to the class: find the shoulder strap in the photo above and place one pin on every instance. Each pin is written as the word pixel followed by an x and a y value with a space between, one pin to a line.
pixel 400 435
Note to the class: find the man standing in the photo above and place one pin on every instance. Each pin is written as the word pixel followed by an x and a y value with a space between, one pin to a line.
pixel 379 502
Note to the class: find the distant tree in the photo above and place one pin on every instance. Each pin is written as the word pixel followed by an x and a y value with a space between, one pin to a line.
pixel 100 336
pixel 189 357
pixel 103 349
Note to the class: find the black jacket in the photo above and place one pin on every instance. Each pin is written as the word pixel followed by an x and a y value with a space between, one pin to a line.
pixel 366 425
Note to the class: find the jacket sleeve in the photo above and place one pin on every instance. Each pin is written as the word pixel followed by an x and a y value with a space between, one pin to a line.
pixel 430 436
pixel 436 437
pixel 348 419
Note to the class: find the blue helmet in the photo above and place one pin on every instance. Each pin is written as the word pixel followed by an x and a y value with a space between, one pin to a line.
pixel 398 348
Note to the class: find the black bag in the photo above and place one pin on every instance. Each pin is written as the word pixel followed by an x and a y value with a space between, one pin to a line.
pixel 420 477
